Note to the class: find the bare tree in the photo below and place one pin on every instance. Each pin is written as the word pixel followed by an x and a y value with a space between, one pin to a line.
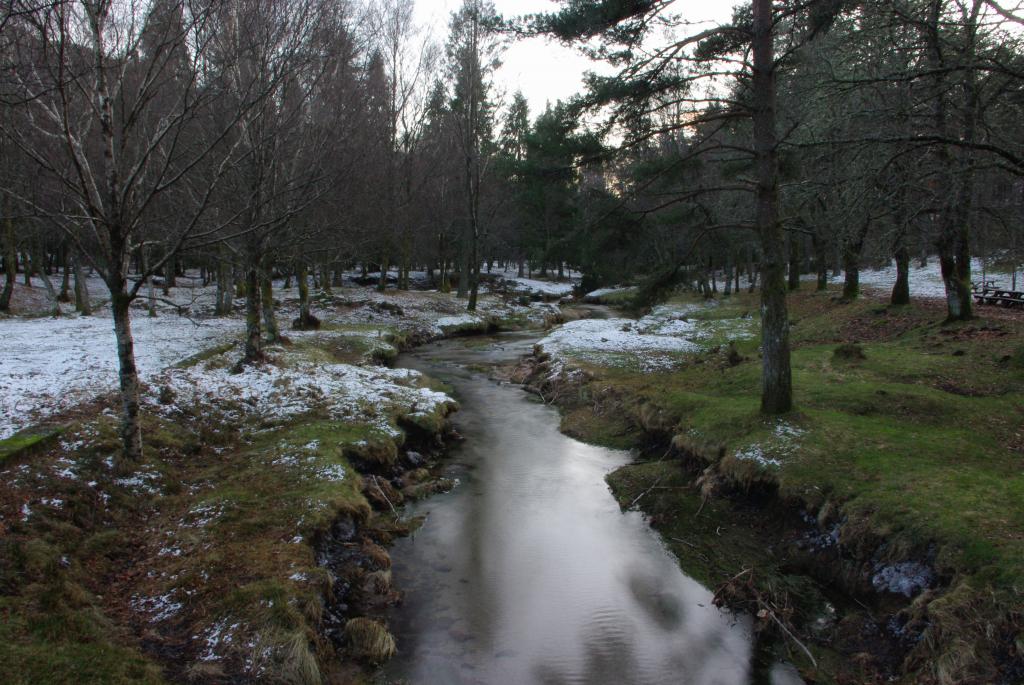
pixel 114 102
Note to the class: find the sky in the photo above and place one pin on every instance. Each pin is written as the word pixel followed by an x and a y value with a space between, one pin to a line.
pixel 545 70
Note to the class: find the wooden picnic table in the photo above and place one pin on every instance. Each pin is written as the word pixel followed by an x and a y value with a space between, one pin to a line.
pixel 990 294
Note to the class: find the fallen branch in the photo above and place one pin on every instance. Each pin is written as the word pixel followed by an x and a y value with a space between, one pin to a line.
pixel 382 494
pixel 789 634
pixel 642 494
pixel 701 508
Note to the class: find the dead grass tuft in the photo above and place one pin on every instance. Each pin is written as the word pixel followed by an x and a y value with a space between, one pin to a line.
pixel 369 640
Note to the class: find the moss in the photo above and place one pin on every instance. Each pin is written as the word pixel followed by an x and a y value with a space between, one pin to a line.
pixel 226 517
pixel 208 355
pixel 66 646
pixel 428 423
pixel 850 352
pixel 916 446
pixel 607 430
pixel 27 442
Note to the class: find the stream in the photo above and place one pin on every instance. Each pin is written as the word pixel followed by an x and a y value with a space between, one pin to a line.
pixel 528 571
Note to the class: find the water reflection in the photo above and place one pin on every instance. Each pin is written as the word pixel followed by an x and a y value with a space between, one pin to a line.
pixel 529 572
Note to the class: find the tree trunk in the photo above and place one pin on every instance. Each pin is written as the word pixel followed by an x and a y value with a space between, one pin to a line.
pixel 325 280
pixel 852 249
pixel 128 375
pixel 821 267
pixel 474 285
pixel 225 289
pixel 851 279
pixel 794 263
pixel 253 343
pixel 82 303
pixel 382 282
pixel 10 263
pixel 302 278
pixel 65 283
pixel 464 262
pixel 51 292
pixel 27 264
pixel 777 381
pixel 901 289
pixel 273 333
pixel 151 287
pixel 954 232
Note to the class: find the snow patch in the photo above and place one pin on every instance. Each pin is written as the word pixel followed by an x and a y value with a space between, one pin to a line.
pixel 159 608
pixel 51 365
pixel 598 340
pixel 906 578
pixel 756 454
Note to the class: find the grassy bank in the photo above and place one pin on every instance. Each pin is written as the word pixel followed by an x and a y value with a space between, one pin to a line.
pixel 899 473
pixel 249 544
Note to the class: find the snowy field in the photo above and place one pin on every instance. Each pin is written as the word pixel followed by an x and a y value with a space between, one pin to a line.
pixel 925 281
pixel 272 393
pixel 508 279
pixel 655 342
pixel 50 365
pixel 542 288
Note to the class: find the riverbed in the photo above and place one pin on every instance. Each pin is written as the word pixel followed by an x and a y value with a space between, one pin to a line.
pixel 529 572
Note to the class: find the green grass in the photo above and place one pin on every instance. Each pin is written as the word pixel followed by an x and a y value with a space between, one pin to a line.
pixel 25 442
pixel 66 647
pixel 919 444
pixel 229 534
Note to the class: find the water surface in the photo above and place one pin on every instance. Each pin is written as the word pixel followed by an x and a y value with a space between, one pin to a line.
pixel 528 572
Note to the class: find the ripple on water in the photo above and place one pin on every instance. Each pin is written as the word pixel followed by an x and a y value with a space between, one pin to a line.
pixel 528 573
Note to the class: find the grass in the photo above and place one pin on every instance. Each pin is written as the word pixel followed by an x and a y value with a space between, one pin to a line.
pixel 26 442
pixel 918 445
pixel 221 538
pixel 202 562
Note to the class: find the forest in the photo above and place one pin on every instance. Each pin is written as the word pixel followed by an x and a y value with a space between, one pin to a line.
pixel 778 258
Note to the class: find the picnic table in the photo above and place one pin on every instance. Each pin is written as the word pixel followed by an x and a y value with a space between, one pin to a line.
pixel 989 293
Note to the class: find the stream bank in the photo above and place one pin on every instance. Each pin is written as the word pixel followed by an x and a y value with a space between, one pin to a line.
pixel 792 519
pixel 252 534
pixel 529 572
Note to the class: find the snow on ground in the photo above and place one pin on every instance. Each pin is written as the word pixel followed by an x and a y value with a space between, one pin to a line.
pixel 601 341
pixel 658 341
pixel 511 279
pixel 49 365
pixel 188 292
pixel 770 452
pixel 269 392
pixel 533 286
pixel 429 314
pixel 601 293
pixel 907 578
pixel 925 281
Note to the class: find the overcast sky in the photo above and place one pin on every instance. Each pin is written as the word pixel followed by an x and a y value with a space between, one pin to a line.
pixel 544 70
